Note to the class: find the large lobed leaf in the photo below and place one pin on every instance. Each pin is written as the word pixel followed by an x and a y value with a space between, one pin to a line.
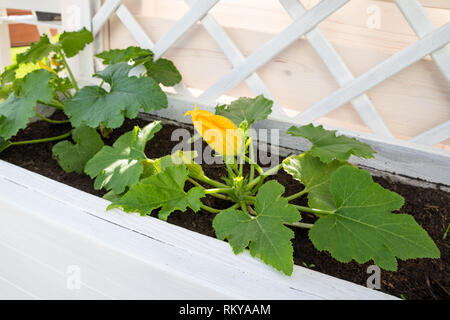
pixel 93 105
pixel 265 234
pixel 73 157
pixel 163 190
pixel 162 70
pixel 246 109
pixel 137 54
pixel 73 42
pixel 120 166
pixel 363 226
pixel 327 146
pixel 16 111
pixel 315 176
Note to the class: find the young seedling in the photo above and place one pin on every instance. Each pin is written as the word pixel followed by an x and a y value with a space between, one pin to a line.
pixel 89 110
pixel 355 219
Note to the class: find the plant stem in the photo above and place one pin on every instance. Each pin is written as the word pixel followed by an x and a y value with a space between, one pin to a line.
pixel 251 161
pixel 297 195
pixel 209 209
pixel 69 71
pixel 220 196
pixel 317 212
pixel 243 206
pixel 218 190
pixel 264 175
pixel 253 212
pixel 300 225
pixel 50 120
pixel 53 105
pixel 63 136
pixel 212 182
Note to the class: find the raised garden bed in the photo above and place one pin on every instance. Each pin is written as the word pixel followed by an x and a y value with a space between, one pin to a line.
pixel 415 279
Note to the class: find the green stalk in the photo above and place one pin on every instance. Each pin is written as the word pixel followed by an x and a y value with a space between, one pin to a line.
pixel 69 71
pixel 212 182
pixel 297 195
pixel 50 120
pixel 317 212
pixel 209 209
pixel 53 105
pixel 300 225
pixel 218 190
pixel 10 143
pixel 264 175
pixel 220 196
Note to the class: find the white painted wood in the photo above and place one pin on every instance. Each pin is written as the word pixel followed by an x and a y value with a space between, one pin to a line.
pixel 30 19
pixel 103 14
pixel 280 42
pixel 76 14
pixel 144 41
pixel 396 63
pixel 197 11
pixel 236 57
pixel 33 5
pixel 433 136
pixel 5 42
pixel 339 70
pixel 422 25
pixel 127 256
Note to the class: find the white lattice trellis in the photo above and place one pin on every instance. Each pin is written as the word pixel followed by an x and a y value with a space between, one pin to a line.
pixel 304 23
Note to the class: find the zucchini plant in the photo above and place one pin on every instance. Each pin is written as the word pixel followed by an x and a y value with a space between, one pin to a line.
pixel 355 219
pixel 92 111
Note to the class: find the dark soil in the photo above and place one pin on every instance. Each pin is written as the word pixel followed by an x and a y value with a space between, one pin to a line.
pixel 415 279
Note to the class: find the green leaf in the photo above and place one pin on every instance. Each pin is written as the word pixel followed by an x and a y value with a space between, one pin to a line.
pixel 16 111
pixel 363 227
pixel 164 190
pixel 93 105
pixel 9 75
pixel 250 109
pixel 73 157
pixel 327 146
pixel 265 235
pixel 163 71
pixel 37 51
pixel 3 144
pixel 315 176
pixel 120 166
pixel 74 42
pixel 137 54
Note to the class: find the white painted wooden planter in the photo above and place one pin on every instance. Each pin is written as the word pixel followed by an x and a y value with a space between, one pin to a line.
pixel 53 235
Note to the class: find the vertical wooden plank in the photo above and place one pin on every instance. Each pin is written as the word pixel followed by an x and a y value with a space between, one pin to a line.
pixel 77 14
pixel 5 43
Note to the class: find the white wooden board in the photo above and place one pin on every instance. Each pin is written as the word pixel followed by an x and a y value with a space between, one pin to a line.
pixel 48 226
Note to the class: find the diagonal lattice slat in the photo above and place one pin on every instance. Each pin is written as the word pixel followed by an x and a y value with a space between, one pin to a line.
pixel 280 42
pixel 339 70
pixel 304 23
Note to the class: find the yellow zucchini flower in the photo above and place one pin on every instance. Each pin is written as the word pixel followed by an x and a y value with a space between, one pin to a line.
pixel 219 132
pixel 46 67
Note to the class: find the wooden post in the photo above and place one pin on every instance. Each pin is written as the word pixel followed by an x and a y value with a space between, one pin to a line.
pixel 5 43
